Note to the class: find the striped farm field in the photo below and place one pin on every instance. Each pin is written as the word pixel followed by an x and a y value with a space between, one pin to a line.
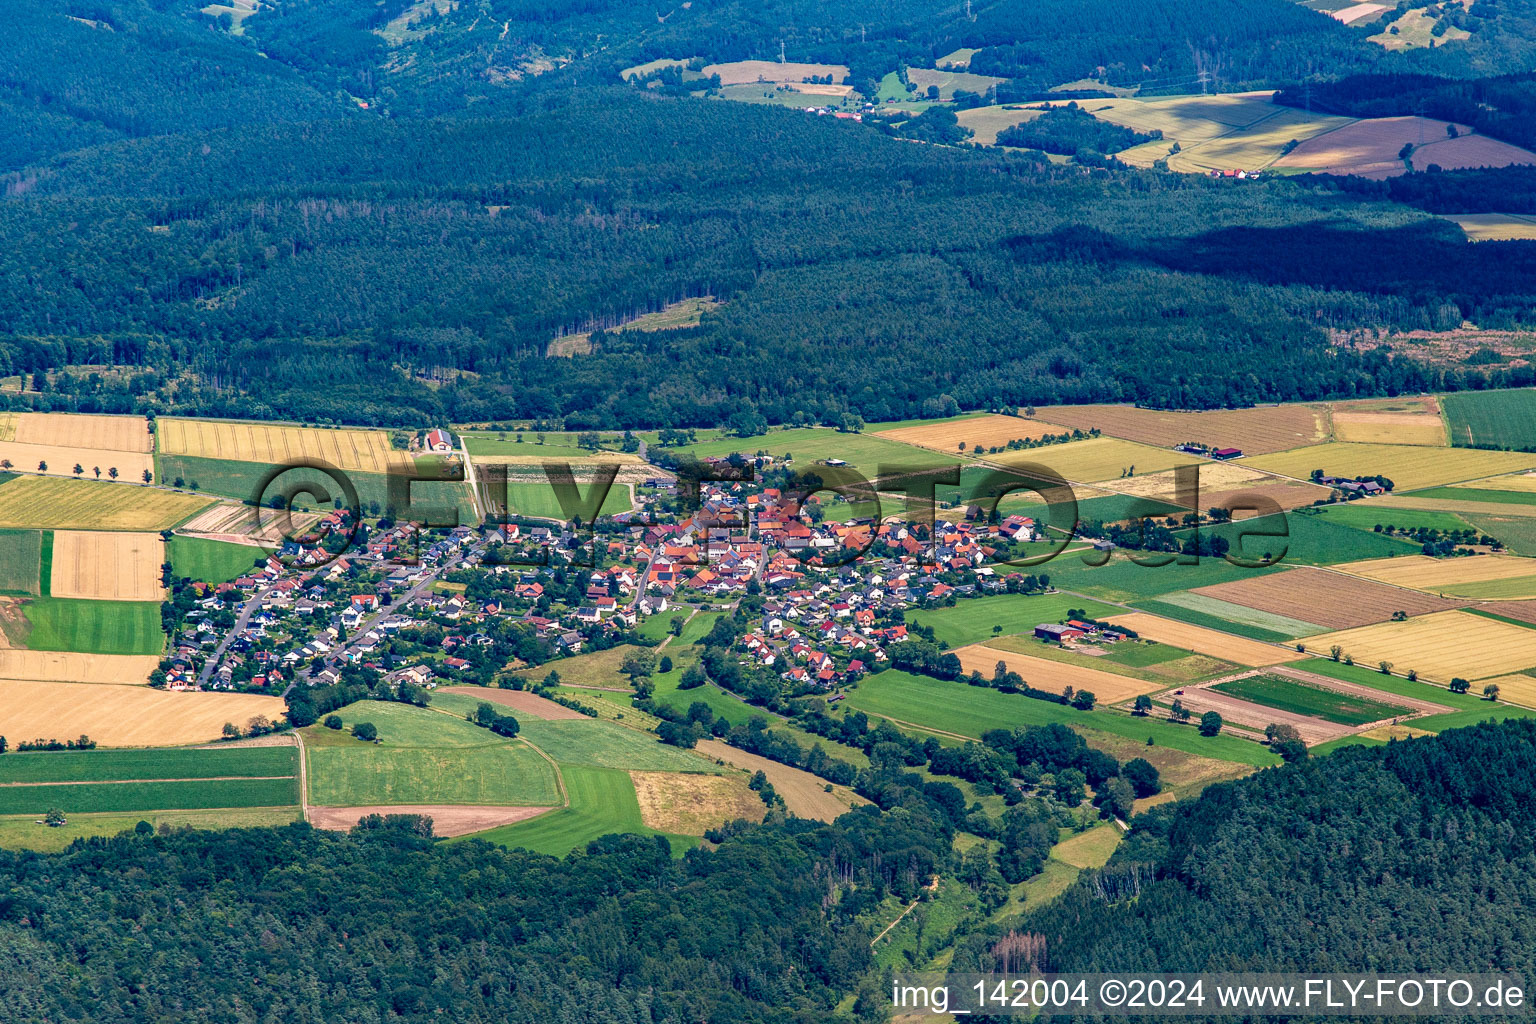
pixel 46 503
pixel 1515 483
pixel 1389 428
pixel 97 627
pixel 21 553
pixel 271 444
pixel 108 566
pixel 73 430
pixel 124 716
pixel 1271 622
pixel 1269 429
pixel 77 666
pixel 1504 418
pixel 1439 647
pixel 1466 576
pixel 60 461
pixel 1335 600
pixel 134 796
pixel 1206 641
pixel 1409 467
pixel 1057 676
pixel 151 764
pixel 973 432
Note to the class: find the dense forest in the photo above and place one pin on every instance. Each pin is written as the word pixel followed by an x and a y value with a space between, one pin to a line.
pixel 1403 857
pixel 319 270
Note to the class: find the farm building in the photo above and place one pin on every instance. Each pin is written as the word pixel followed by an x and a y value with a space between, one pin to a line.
pixel 439 440
pixel 1227 453
pixel 1052 631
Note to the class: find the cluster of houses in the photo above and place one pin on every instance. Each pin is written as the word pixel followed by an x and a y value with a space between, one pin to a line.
pixel 1220 454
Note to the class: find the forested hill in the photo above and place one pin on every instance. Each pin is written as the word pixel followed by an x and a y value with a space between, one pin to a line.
pixel 1409 857
pixel 301 925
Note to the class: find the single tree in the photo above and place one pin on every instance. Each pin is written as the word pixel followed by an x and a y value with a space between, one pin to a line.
pixel 54 818
pixel 97 471
pixel 1210 724
pixel 1179 713
pixel 112 472
pixel 333 721
pixel 1491 691
pixel 1143 705
pixel 79 469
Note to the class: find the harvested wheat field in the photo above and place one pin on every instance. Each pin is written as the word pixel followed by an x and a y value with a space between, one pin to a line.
pixel 1226 485
pixel 804 794
pixel 61 460
pixel 70 430
pixel 987 122
pixel 520 701
pixel 745 72
pixel 1204 641
pixel 975 432
pixel 1519 483
pixel 109 566
pixel 1057 676
pixel 1370 149
pixel 1409 467
pixel 1330 599
pixel 1268 429
pixel 1524 611
pixel 47 503
pixel 1388 428
pixel 271 444
pixel 447 820
pixel 690 805
pixel 1106 459
pixel 124 716
pixel 1444 575
pixel 1516 689
pixel 76 667
pixel 1439 646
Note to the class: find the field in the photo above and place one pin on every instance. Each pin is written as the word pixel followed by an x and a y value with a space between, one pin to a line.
pixel 123 716
pixel 25 832
pixel 107 566
pixel 271 444
pixel 1439 646
pixel 46 503
pixel 1517 689
pixel 1518 535
pixel 21 553
pixel 1415 30
pixel 1057 676
pixel 965 710
pixel 972 619
pixel 599 668
pixel 1307 538
pixel 1369 149
pixel 1492 576
pixel 447 819
pixel 1408 466
pixel 1206 641
pixel 1314 701
pixel 77 667
pixel 502 445
pixel 1220 482
pixel 424 757
pixel 539 500
pixel 1151 660
pixel 1102 458
pixel 1367 515
pixel 744 72
pixel 69 430
pixel 211 561
pixel 1090 849
pixel 602 801
pixel 1388 428
pixel 97 627
pixel 133 796
pixel 600 744
pixel 1332 599
pixel 988 431
pixel 1495 227
pixel 864 452
pixel 949 81
pixel 1123 580
pixel 1256 431
pixel 520 703
pixel 1223 132
pixel 1269 624
pixel 804 794
pixel 62 459
pixel 1501 418
pixel 147 765
pixel 986 122
pixel 692 804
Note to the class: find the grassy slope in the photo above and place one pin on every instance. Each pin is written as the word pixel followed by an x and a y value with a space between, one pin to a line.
pixel 133 796
pixel 970 711
pixel 166 763
pixel 23 832
pixel 971 619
